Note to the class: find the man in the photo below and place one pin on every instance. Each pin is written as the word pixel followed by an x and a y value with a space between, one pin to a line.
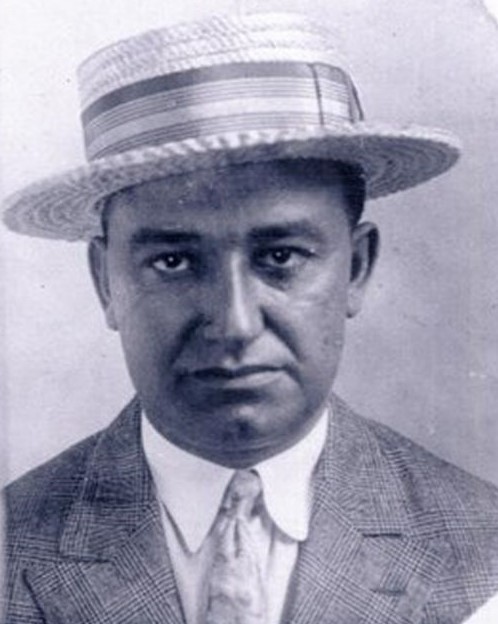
pixel 229 163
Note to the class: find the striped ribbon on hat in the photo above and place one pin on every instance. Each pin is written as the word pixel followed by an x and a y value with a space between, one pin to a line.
pixel 236 97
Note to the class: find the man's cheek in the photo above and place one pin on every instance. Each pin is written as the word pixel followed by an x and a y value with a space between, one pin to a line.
pixel 135 305
pixel 327 329
pixel 145 329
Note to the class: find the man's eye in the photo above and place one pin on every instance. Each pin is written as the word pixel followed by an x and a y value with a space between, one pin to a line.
pixel 281 257
pixel 172 262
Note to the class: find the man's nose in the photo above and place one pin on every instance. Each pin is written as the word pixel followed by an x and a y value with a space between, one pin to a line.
pixel 233 314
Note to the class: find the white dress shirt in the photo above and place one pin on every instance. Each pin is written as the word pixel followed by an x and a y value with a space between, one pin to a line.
pixel 190 490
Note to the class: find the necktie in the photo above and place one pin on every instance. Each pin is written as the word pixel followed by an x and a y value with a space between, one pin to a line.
pixel 235 590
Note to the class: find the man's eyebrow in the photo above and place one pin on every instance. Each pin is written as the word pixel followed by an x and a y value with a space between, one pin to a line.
pixel 152 236
pixel 287 229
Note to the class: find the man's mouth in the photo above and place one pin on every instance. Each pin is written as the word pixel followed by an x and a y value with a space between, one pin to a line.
pixel 237 377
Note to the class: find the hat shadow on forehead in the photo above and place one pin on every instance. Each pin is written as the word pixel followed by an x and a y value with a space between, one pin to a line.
pixel 214 93
pixel 226 185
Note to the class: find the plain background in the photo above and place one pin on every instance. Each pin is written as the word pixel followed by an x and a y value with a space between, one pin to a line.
pixel 423 355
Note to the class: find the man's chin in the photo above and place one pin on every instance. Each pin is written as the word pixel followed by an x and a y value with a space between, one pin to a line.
pixel 244 441
pixel 240 434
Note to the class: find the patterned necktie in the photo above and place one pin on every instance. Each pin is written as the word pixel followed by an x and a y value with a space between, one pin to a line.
pixel 235 593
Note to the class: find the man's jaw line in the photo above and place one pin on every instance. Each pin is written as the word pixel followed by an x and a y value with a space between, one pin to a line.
pixel 239 458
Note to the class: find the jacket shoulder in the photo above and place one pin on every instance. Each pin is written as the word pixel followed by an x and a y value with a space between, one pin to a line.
pixel 432 483
pixel 36 506
pixel 40 499
pixel 447 505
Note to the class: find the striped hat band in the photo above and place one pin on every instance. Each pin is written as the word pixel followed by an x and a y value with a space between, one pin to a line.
pixel 235 97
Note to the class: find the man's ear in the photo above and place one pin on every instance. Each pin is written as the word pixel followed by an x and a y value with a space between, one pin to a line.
pixel 97 258
pixel 365 247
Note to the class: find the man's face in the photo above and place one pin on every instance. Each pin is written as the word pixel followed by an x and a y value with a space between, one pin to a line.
pixel 230 292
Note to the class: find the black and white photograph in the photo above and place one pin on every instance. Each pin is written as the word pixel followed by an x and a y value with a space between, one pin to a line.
pixel 249 312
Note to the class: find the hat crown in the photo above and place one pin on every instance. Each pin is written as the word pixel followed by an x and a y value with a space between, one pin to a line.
pixel 223 75
pixel 256 37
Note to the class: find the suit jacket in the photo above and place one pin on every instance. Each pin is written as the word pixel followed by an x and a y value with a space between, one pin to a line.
pixel 397 535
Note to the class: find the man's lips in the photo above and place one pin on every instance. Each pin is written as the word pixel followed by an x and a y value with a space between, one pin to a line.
pixel 221 372
pixel 236 377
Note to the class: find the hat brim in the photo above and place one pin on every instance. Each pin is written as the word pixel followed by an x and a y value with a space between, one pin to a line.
pixel 66 206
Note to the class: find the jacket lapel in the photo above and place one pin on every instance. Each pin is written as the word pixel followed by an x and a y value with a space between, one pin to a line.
pixel 114 565
pixel 366 559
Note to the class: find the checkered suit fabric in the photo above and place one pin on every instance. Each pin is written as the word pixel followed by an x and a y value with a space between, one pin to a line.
pixel 397 535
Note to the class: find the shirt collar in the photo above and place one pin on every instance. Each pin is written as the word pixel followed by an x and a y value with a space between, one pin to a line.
pixel 192 488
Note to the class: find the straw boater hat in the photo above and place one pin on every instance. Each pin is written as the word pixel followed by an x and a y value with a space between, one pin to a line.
pixel 213 93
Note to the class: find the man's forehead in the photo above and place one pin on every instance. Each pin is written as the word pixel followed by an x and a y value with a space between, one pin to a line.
pixel 210 192
pixel 237 180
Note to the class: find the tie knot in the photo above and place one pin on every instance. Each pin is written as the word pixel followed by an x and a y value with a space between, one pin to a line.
pixel 243 492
